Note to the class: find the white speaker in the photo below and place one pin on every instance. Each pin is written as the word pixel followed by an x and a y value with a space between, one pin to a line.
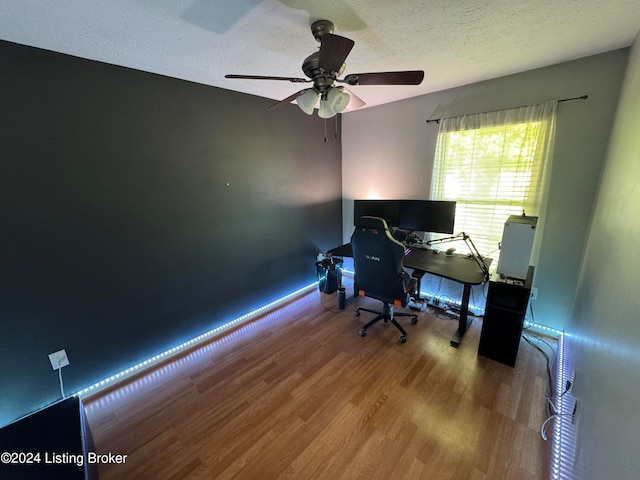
pixel 517 244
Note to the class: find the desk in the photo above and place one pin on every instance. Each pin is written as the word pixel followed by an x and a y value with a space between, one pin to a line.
pixel 458 268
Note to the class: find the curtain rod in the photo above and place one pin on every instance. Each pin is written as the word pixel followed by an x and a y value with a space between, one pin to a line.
pixel 583 97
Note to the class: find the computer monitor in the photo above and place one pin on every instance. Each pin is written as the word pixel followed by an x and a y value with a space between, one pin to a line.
pixel 435 216
pixel 386 209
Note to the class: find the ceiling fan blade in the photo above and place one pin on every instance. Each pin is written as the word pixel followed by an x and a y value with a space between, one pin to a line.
pixel 410 77
pixel 264 77
pixel 356 102
pixel 334 50
pixel 287 100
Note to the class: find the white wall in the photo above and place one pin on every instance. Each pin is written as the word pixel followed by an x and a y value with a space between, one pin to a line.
pixel 388 152
pixel 604 331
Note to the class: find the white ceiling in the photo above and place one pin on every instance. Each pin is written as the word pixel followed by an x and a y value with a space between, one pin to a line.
pixel 455 42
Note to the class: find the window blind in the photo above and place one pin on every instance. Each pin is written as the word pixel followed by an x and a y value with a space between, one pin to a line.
pixel 493 165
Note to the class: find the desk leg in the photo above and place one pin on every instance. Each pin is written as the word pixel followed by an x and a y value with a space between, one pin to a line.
pixel 464 322
pixel 418 274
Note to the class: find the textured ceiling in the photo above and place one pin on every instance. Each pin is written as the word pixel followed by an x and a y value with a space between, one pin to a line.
pixel 454 42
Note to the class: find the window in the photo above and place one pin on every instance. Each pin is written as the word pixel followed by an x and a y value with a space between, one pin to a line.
pixel 494 165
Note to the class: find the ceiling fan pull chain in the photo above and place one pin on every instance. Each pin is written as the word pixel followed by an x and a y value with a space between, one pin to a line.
pixel 325 129
pixel 336 125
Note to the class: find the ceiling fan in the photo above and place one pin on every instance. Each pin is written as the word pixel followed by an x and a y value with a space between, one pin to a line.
pixel 323 69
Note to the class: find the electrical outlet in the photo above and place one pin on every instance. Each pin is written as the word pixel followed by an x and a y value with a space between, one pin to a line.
pixel 58 359
pixel 534 293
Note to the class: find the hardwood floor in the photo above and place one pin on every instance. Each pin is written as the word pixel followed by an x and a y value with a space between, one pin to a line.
pixel 298 394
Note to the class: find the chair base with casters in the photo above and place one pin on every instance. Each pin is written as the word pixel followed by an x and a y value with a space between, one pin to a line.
pixel 387 315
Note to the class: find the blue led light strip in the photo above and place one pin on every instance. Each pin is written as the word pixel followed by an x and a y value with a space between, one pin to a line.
pixel 557 437
pixel 564 447
pixel 547 329
pixel 205 337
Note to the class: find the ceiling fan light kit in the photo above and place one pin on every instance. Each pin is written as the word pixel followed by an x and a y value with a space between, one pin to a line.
pixel 307 101
pixel 335 102
pixel 338 99
pixel 323 69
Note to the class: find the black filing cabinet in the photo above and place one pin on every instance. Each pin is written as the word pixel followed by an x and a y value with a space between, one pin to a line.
pixel 506 307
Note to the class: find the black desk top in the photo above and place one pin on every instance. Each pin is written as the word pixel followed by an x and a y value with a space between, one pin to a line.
pixel 459 268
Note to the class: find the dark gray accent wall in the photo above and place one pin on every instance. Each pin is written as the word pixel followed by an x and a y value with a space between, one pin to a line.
pixel 138 211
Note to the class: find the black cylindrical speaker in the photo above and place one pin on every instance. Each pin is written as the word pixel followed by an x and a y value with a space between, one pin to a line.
pixel 341 298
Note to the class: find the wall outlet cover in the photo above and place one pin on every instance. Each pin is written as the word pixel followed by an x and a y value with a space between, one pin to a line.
pixel 58 359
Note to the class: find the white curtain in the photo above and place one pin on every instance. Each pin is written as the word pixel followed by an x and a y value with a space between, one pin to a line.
pixel 495 164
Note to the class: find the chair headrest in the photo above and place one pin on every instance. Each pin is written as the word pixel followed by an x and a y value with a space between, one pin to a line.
pixel 372 222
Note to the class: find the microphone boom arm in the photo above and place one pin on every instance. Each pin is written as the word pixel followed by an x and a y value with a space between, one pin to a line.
pixel 472 248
